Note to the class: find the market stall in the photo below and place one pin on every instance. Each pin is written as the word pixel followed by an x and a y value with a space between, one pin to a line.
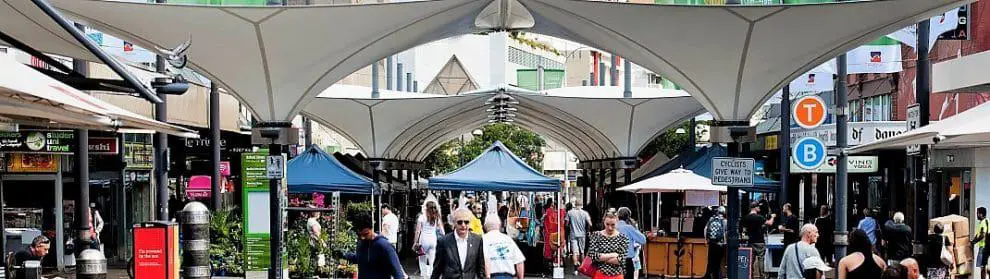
pixel 689 176
pixel 498 170
pixel 661 257
pixel 315 172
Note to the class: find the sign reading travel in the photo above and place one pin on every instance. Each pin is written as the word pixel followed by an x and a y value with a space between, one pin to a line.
pixel 809 153
pixel 736 172
pixel 913 122
pixel 809 112
pixel 857 164
pixel 38 141
pixel 276 167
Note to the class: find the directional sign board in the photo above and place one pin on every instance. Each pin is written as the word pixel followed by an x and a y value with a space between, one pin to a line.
pixel 737 172
pixel 913 122
pixel 809 112
pixel 275 165
pixel 809 153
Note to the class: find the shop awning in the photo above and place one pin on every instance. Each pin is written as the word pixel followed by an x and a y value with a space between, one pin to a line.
pixel 731 58
pixel 496 169
pixel 966 129
pixel 316 171
pixel 32 98
pixel 594 122
pixel 700 162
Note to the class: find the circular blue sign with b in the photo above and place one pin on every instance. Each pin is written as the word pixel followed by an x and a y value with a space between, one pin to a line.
pixel 809 153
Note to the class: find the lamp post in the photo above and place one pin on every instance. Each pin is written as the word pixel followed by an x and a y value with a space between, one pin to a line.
pixel 460 154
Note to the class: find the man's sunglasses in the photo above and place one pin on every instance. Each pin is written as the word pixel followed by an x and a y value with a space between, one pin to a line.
pixel 463 222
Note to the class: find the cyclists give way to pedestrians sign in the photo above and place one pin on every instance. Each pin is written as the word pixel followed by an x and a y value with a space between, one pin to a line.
pixel 809 112
pixel 809 153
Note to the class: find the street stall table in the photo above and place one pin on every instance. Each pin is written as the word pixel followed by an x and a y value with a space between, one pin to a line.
pixel 661 257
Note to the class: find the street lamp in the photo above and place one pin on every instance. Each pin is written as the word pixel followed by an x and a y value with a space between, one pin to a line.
pixel 460 154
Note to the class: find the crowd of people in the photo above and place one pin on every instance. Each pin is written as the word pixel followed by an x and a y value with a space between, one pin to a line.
pixel 482 238
pixel 873 251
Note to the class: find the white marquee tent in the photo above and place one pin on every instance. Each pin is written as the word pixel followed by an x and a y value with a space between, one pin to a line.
pixel 593 122
pixel 731 58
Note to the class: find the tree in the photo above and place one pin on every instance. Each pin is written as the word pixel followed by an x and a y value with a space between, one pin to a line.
pixel 525 144
pixel 669 143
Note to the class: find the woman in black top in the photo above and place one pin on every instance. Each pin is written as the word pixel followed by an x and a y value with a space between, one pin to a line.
pixel 861 261
pixel 933 254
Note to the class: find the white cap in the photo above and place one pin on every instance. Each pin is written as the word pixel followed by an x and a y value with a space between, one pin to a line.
pixel 816 263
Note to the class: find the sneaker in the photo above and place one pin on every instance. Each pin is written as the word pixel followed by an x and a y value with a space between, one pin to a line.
pixel 575 273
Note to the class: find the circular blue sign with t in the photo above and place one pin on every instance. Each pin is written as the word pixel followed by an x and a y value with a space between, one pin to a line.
pixel 809 153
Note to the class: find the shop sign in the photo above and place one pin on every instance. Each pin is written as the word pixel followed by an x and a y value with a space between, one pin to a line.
pixel 38 141
pixel 138 155
pixel 103 146
pixel 770 142
pixel 202 145
pixel 224 168
pixel 20 162
pixel 857 164
pixel 858 133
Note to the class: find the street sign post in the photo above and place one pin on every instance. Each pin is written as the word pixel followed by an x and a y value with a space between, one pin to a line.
pixel 809 112
pixel 913 122
pixel 733 172
pixel 809 153
pixel 275 167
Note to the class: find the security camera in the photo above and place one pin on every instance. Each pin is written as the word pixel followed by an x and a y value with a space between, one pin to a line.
pixel 937 139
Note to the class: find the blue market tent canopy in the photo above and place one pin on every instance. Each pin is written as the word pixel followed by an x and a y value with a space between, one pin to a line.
pixel 700 162
pixel 317 171
pixel 497 169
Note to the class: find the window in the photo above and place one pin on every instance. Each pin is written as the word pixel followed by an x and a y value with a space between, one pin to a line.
pixel 532 60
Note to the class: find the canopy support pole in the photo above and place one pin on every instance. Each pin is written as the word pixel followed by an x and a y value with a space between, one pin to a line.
pixel 215 144
pixel 733 219
pixel 841 181
pixel 784 144
pixel 93 48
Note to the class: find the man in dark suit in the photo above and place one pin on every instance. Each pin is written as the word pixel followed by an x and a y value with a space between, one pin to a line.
pixel 460 254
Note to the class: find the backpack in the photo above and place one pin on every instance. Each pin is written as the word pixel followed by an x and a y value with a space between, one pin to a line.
pixel 716 230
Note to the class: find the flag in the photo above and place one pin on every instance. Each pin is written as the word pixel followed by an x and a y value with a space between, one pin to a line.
pixel 881 56
pixel 818 79
pixel 940 24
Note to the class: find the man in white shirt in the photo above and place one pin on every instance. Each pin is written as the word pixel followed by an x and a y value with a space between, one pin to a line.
pixel 792 263
pixel 502 256
pixel 390 225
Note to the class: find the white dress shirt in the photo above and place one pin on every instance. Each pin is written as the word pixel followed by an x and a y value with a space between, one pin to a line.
pixel 462 248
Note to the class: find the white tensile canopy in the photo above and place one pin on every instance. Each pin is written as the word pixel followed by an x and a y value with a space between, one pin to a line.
pixel 30 97
pixel 592 122
pixel 675 181
pixel 276 59
pixel 967 129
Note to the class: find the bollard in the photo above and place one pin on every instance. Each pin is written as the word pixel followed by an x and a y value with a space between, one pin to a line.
pixel 91 264
pixel 195 222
